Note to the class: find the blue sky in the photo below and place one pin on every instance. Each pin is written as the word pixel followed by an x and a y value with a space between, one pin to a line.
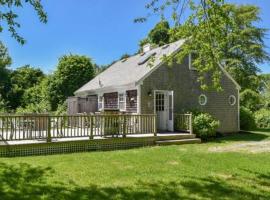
pixel 100 29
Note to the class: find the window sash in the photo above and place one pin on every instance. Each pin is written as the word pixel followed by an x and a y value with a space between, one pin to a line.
pixel 121 102
pixel 100 102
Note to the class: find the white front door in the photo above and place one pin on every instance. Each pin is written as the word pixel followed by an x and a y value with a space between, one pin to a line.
pixel 164 110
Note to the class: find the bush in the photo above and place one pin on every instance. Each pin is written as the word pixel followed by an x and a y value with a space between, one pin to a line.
pixel 251 100
pixel 247 120
pixel 262 118
pixel 42 107
pixel 61 109
pixel 204 125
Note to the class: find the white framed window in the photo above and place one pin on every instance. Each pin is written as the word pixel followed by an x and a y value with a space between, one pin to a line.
pixel 232 100
pixel 202 99
pixel 100 102
pixel 122 101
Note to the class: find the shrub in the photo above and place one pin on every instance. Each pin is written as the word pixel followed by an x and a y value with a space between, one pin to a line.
pixel 42 107
pixel 247 120
pixel 204 125
pixel 262 118
pixel 62 109
pixel 251 100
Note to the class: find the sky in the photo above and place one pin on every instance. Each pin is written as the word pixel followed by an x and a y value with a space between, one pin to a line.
pixel 101 29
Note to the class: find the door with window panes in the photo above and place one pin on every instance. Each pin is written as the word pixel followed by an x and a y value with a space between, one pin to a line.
pixel 164 110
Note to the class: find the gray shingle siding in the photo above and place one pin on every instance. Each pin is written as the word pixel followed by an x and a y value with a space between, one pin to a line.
pixel 183 82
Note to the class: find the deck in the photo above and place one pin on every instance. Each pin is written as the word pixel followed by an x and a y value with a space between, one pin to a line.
pixel 68 139
pixel 44 134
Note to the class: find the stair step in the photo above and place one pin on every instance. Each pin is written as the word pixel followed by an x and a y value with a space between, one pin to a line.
pixel 176 137
pixel 182 141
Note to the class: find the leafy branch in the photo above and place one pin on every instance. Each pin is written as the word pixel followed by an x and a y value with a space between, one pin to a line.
pixel 9 17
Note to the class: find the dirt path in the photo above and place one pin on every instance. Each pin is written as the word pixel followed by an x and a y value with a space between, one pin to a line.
pixel 249 147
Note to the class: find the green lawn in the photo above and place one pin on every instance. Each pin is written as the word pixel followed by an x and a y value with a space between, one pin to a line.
pixel 220 169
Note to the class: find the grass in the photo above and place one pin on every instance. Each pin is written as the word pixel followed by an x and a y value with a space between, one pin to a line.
pixel 171 172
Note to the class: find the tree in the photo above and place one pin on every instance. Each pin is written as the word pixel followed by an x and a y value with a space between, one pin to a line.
pixel 8 15
pixel 159 35
pixel 27 76
pixel 22 79
pixel 265 89
pixel 5 62
pixel 72 72
pixel 219 34
pixel 36 94
pixel 251 100
pixel 3 105
pixel 244 49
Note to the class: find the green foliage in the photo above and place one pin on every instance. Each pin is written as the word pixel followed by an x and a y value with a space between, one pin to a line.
pixel 265 90
pixel 221 34
pixel 72 72
pixel 204 125
pixel 22 79
pixel 262 118
pixel 250 99
pixel 9 17
pixel 159 35
pixel 247 48
pixel 5 59
pixel 3 105
pixel 5 62
pixel 41 107
pixel 247 120
pixel 27 76
pixel 36 94
pixel 61 109
pixel 144 42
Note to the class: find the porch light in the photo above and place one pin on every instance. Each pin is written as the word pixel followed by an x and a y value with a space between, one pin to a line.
pixel 150 93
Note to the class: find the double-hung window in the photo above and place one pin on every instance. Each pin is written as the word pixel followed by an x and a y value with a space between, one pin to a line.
pixel 122 101
pixel 100 102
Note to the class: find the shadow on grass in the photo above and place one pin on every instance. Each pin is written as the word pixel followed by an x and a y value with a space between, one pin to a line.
pixel 27 182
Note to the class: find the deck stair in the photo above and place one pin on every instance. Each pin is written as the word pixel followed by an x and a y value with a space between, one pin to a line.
pixel 178 139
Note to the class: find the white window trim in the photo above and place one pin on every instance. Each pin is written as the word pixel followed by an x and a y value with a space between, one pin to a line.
pixel 102 102
pixel 124 100
pixel 202 95
pixel 234 100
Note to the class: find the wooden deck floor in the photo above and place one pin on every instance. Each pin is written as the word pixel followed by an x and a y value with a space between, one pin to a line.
pixel 55 140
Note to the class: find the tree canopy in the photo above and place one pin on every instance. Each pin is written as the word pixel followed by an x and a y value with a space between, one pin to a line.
pixel 72 72
pixel 5 61
pixel 22 79
pixel 219 34
pixel 9 17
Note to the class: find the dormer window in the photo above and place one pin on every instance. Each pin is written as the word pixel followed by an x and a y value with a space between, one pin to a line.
pixel 146 58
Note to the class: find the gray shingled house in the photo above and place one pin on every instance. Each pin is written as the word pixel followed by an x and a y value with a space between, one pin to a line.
pixel 131 86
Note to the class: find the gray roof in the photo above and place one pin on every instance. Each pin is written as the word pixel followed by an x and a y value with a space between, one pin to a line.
pixel 129 72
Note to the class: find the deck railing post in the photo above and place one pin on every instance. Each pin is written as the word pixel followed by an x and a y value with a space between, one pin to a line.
pixel 91 128
pixel 190 124
pixel 124 126
pixel 49 137
pixel 155 125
